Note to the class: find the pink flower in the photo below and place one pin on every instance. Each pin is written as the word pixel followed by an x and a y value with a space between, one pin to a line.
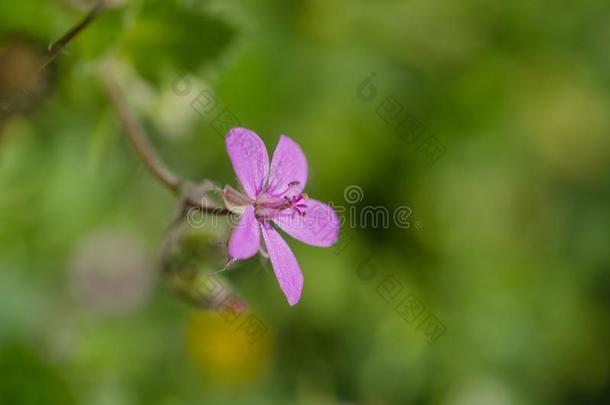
pixel 272 197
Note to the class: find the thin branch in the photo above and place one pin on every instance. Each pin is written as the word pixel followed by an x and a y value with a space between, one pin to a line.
pixel 220 211
pixel 58 46
pixel 142 146
pixel 54 50
pixel 137 136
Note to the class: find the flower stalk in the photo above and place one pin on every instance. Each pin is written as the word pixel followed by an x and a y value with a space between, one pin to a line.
pixel 146 151
pixel 58 46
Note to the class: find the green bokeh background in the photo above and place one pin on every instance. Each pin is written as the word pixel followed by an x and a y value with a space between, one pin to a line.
pixel 509 233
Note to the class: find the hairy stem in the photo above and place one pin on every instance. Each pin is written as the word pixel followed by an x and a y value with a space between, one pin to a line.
pixel 58 46
pixel 137 136
pixel 54 50
pixel 145 150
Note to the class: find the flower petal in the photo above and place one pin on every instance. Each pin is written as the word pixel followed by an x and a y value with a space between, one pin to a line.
pixel 285 266
pixel 319 227
pixel 287 166
pixel 250 159
pixel 246 237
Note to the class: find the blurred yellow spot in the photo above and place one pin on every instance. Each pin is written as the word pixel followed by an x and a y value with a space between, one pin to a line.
pixel 566 116
pixel 226 353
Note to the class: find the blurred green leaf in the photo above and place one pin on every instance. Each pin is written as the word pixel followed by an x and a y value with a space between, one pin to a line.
pixel 169 37
pixel 27 380
pixel 37 19
pixel 104 34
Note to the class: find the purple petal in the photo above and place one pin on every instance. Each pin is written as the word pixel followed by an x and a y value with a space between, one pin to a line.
pixel 285 266
pixel 319 227
pixel 250 159
pixel 287 166
pixel 246 237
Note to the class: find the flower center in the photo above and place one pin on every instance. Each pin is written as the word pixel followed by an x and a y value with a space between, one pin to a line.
pixel 273 205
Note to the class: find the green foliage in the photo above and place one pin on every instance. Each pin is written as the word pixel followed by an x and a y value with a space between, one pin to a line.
pixel 512 251
pixel 166 37
pixel 32 18
pixel 21 368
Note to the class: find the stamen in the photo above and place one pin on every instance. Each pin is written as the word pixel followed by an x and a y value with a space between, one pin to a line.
pixel 282 204
pixel 291 185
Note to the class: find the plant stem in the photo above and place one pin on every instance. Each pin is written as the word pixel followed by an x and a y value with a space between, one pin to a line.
pixel 54 50
pixel 144 149
pixel 137 136
pixel 58 46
